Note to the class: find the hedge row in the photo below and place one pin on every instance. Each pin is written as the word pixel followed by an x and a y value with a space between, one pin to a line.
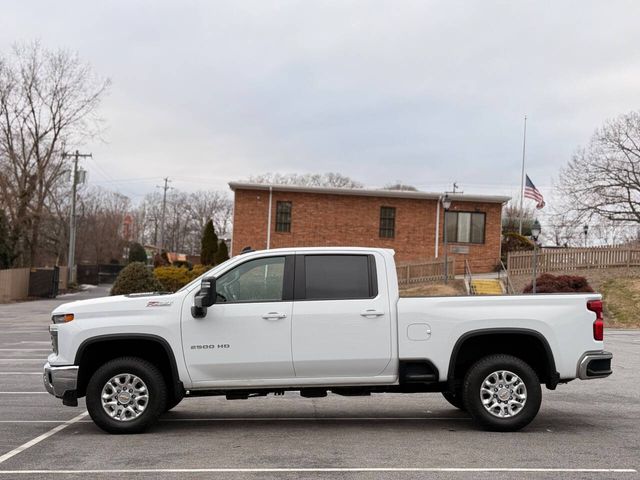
pixel 138 278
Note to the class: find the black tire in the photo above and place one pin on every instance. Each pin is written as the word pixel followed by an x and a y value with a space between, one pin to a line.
pixel 455 399
pixel 147 373
pixel 472 395
pixel 173 401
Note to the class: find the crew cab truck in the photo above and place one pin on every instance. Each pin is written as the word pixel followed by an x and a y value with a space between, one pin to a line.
pixel 318 320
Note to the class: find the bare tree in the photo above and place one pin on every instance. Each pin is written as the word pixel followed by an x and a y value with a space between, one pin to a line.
pixel 217 206
pixel 511 219
pixel 602 180
pixel 185 217
pixel 48 101
pixel 399 185
pixel 308 180
pixel 100 223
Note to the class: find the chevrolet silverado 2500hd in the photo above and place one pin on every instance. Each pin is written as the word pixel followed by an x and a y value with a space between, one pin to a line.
pixel 318 320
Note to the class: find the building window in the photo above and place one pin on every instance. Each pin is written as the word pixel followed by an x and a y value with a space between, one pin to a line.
pixel 465 227
pixel 283 216
pixel 387 222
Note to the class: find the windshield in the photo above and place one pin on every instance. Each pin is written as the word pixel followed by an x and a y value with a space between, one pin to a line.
pixel 199 279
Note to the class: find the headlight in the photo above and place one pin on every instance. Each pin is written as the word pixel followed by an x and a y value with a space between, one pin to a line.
pixel 62 318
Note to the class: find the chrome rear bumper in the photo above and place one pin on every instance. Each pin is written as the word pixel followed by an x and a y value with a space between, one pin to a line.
pixel 60 380
pixel 595 365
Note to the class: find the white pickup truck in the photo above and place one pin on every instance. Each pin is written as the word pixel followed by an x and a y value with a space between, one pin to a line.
pixel 318 320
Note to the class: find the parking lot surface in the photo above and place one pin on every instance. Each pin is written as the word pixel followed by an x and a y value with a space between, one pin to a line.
pixel 583 430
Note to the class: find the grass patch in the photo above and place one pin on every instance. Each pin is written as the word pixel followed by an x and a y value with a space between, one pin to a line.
pixel 621 302
pixel 453 288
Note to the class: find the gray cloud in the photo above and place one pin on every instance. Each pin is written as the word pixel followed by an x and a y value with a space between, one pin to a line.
pixel 426 92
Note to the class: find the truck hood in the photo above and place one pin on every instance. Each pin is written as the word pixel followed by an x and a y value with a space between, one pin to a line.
pixel 119 303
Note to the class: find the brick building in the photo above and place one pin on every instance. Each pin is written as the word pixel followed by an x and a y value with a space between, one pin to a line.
pixel 409 222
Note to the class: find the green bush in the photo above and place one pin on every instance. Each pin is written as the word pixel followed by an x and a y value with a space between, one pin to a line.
pixel 209 245
pixel 135 278
pixel 514 242
pixel 172 278
pixel 182 264
pixel 198 270
pixel 222 254
pixel 137 253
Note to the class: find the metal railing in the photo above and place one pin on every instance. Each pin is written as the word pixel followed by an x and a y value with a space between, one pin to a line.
pixel 468 278
pixel 503 273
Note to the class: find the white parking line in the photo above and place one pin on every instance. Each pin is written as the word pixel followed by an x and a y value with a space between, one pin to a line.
pixel 25 349
pixel 323 470
pixel 20 373
pixel 33 421
pixel 22 393
pixel 5 359
pixel 40 438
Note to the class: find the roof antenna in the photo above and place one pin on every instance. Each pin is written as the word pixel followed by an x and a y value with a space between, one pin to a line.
pixel 455 188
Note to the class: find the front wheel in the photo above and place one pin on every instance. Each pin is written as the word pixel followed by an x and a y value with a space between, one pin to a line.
pixel 502 393
pixel 126 395
pixel 455 398
pixel 173 401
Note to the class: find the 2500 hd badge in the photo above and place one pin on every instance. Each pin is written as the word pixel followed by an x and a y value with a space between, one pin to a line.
pixel 210 346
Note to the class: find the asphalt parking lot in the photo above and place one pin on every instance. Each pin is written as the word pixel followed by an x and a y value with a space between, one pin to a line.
pixel 584 429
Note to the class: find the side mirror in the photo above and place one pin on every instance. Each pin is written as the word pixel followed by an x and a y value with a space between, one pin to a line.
pixel 204 298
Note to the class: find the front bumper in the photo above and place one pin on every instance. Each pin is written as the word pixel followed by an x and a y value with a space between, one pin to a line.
pixel 61 382
pixel 595 365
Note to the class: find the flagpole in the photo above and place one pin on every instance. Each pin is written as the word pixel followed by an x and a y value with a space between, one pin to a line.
pixel 524 144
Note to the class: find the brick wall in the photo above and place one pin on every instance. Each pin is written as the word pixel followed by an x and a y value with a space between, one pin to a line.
pixel 347 220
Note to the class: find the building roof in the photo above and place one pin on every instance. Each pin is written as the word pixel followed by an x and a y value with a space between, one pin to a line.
pixel 369 192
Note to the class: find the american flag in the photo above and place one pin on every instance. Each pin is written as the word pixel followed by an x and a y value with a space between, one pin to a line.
pixel 530 191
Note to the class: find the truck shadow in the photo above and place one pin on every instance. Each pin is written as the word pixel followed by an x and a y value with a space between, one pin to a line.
pixel 449 421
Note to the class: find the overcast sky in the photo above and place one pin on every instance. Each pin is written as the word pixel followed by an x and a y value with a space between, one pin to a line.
pixel 423 92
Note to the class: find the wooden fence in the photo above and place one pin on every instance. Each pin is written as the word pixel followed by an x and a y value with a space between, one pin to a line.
pixel 14 284
pixel 429 271
pixel 63 279
pixel 567 259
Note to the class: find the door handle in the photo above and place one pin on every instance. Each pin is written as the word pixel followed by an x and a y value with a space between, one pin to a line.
pixel 372 312
pixel 274 316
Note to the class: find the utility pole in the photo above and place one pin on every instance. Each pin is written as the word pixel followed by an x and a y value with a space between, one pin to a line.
pixel 164 210
pixel 75 179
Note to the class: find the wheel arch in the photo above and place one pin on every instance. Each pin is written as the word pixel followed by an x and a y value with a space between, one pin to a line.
pixel 528 345
pixel 97 350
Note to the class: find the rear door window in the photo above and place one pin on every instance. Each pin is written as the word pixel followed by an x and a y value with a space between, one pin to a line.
pixel 336 277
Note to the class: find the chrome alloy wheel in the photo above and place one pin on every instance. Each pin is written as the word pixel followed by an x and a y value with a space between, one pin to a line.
pixel 125 397
pixel 503 394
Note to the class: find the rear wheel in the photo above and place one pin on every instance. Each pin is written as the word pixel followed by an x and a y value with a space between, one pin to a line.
pixel 126 395
pixel 502 393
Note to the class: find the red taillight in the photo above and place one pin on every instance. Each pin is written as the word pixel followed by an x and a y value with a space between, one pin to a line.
pixel 598 326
